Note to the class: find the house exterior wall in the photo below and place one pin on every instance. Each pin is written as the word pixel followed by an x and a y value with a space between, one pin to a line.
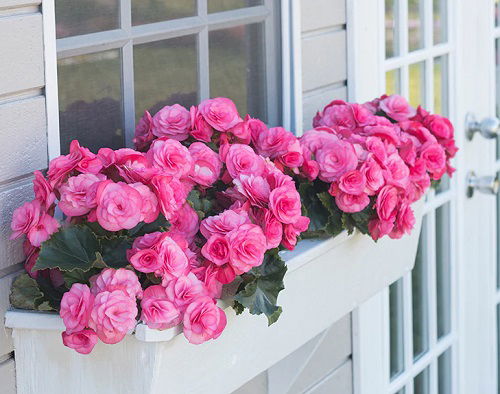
pixel 23 146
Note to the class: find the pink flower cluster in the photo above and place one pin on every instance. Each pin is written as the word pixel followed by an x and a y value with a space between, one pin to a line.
pixel 383 153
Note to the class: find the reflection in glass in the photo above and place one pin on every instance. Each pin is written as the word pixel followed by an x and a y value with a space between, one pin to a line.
pixel 391 29
pixel 421 382
pixel 76 17
pixel 444 373
pixel 415 24
pixel 393 81
pixel 225 5
pixel 150 11
pixel 237 68
pixel 90 100
pixel 440 23
pixel 396 328
pixel 165 73
pixel 443 270
pixel 417 84
pixel 420 297
pixel 441 85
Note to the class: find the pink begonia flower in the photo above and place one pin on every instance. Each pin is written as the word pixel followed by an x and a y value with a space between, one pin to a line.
pixel 206 164
pixel 352 202
pixel 113 315
pixel 397 173
pixel 405 221
pixel 352 182
pixel 107 157
pixel 315 139
pixel 440 126
pixel 292 231
pixel 293 158
pixel 335 159
pixel 208 274
pixel 203 320
pixel 171 157
pixel 241 131
pixel 43 190
pixel 145 260
pixel 171 194
pixel 173 122
pixel 119 206
pixel 378 228
pixel 157 311
pixel 340 117
pixel 78 194
pixel 81 341
pixel 143 132
pixel 220 113
pixel 135 167
pixel 64 164
pixel 200 129
pixel 247 246
pixel 271 226
pixel 174 261
pixel 25 218
pixel 387 203
pixel 185 222
pixel 310 169
pixel 76 305
pixel 31 254
pixel 45 227
pixel 254 188
pixel 377 147
pixel 184 290
pixel 373 175
pixel 242 160
pixel 397 108
pixel 223 223
pixel 434 158
pixel 150 208
pixel 389 133
pixel 122 279
pixel 284 203
pixel 216 249
pixel 273 142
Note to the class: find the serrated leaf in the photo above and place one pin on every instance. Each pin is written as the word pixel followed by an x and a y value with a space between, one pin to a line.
pixel 78 276
pixel 160 224
pixel 312 207
pixel 25 293
pixel 73 247
pixel 114 251
pixel 238 308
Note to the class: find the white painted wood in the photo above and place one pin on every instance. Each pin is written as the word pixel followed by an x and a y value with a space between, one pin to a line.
pixel 257 385
pixel 8 377
pixel 322 14
pixel 326 280
pixel 296 72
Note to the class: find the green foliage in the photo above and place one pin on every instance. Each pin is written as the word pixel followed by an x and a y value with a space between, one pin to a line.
pixel 160 224
pixel 113 250
pixel 25 293
pixel 202 206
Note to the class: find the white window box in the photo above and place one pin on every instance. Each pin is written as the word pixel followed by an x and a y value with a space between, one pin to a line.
pixel 325 280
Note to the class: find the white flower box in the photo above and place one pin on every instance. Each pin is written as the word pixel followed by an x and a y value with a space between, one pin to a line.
pixel 325 280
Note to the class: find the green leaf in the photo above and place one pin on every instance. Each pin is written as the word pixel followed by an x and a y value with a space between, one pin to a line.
pixel 78 276
pixel 238 308
pixel 114 251
pixel 261 286
pixel 202 206
pixel 25 293
pixel 70 248
pixel 160 224
pixel 312 207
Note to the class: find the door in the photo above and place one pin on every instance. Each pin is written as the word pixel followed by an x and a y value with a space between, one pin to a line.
pixel 434 330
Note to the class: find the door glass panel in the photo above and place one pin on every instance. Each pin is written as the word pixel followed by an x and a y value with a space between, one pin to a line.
pixel 76 17
pixel 90 101
pixel 441 85
pixel 420 298
pixel 415 24
pixel 237 67
pixel 417 84
pixel 396 328
pixel 421 382
pixel 444 373
pixel 443 270
pixel 225 5
pixel 150 11
pixel 391 29
pixel 165 73
pixel 393 81
pixel 439 13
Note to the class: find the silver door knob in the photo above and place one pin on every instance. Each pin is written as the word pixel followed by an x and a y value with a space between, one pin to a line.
pixel 483 184
pixel 488 127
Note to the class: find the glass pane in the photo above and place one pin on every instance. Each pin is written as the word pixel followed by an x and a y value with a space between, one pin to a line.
pixel 396 328
pixel 417 84
pixel 415 24
pixel 225 5
pixel 444 184
pixel 443 270
pixel 75 17
pixel 419 298
pixel 393 81
pixel 150 11
pixel 391 29
pixel 90 100
pixel 421 382
pixel 441 85
pixel 237 68
pixel 439 11
pixel 444 373
pixel 497 12
pixel 165 73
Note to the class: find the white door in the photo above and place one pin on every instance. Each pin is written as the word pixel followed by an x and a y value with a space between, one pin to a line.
pixel 434 331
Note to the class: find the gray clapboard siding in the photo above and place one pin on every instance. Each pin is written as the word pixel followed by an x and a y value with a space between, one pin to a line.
pixel 18 3
pixel 316 100
pixel 322 14
pixel 7 377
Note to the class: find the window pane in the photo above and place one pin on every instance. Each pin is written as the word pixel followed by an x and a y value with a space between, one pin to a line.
pixel 165 73
pixel 421 382
pixel 90 100
pixel 396 328
pixel 150 11
pixel 444 184
pixel 75 17
pixel 393 81
pixel 420 298
pixel 440 22
pixel 443 270
pixel 237 68
pixel 391 29
pixel 441 85
pixel 417 84
pixel 497 12
pixel 224 5
pixel 415 24
pixel 444 373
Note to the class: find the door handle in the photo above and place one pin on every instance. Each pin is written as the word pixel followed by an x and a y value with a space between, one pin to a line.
pixel 489 127
pixel 483 184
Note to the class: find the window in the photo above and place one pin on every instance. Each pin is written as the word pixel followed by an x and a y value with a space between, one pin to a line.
pixel 117 58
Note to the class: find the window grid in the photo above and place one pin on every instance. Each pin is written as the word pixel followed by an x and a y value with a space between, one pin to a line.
pixel 399 72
